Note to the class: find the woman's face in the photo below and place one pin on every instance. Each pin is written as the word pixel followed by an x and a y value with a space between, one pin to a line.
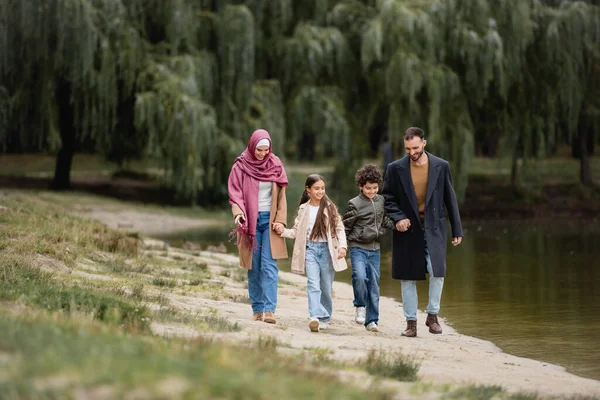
pixel 261 152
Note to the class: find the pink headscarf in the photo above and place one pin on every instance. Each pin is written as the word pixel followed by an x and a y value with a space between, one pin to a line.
pixel 245 174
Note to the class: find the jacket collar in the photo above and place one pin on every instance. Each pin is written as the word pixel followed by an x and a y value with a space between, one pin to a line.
pixel 406 179
pixel 365 198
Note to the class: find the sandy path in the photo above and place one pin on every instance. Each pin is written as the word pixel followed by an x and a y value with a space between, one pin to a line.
pixel 449 358
pixel 139 221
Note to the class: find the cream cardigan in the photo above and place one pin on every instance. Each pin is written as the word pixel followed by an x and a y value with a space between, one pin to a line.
pixel 298 232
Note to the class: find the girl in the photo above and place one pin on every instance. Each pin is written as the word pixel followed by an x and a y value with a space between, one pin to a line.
pixel 319 249
pixel 256 186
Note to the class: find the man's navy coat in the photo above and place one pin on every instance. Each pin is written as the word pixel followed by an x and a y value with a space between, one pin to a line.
pixel 408 248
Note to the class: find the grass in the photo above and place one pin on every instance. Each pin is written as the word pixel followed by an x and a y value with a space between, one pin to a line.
pixel 58 357
pixel 245 299
pixel 32 287
pixel 267 343
pixel 209 322
pixel 391 365
pixel 475 392
pixel 65 335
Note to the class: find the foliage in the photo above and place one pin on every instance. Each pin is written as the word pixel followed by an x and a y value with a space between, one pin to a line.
pixel 185 82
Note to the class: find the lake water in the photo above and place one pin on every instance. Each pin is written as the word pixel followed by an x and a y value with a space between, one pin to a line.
pixel 532 288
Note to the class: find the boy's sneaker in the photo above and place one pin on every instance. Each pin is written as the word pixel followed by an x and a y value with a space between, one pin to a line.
pixel 372 327
pixel 323 325
pixel 314 325
pixel 361 315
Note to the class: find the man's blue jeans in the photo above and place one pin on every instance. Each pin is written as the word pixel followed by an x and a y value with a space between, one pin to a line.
pixel 320 274
pixel 410 299
pixel 366 273
pixel 262 278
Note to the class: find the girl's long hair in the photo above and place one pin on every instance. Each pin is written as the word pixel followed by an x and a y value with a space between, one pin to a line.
pixel 321 222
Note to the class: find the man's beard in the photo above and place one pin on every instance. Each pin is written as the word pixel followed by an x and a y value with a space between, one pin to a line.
pixel 417 156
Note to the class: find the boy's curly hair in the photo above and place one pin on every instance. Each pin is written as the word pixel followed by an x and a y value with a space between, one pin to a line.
pixel 368 174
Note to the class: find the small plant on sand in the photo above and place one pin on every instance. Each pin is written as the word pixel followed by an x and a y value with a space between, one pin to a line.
pixel 236 298
pixel 267 343
pixel 159 281
pixel 240 275
pixel 391 365
pixel 476 392
pixel 218 324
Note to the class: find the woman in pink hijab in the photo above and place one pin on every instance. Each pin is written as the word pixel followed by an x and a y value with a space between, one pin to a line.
pixel 257 185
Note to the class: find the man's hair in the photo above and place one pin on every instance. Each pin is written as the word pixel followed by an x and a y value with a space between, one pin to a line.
pixel 412 132
pixel 368 174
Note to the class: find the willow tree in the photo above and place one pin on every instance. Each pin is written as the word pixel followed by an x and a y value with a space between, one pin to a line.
pixel 545 97
pixel 60 73
pixel 115 72
pixel 316 66
pixel 184 82
pixel 407 50
pixel 572 30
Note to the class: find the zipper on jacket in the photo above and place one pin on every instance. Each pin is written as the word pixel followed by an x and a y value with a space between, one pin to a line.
pixel 375 212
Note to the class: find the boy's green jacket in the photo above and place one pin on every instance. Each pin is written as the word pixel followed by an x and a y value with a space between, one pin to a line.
pixel 365 222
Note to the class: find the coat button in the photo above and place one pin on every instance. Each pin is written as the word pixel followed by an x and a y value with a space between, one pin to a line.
pixel 433 208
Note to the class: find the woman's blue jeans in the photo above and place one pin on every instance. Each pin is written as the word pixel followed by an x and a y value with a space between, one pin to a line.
pixel 263 277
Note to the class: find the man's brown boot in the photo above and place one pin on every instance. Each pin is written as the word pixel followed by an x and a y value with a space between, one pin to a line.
pixel 433 324
pixel 411 329
pixel 270 318
pixel 257 316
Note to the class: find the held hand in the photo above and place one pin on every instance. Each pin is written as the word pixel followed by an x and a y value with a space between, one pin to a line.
pixel 239 219
pixel 403 225
pixel 341 253
pixel 278 227
pixel 456 241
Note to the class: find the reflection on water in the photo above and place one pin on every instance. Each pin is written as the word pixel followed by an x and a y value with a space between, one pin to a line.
pixel 531 288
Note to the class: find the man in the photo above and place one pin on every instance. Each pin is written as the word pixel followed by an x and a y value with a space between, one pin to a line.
pixel 417 189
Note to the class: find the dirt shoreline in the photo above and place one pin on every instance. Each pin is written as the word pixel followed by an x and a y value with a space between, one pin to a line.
pixel 451 359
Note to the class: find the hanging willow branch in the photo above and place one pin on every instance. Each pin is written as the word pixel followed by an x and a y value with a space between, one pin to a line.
pixel 182 130
pixel 236 56
pixel 316 56
pixel 267 111
pixel 320 113
pixel 520 73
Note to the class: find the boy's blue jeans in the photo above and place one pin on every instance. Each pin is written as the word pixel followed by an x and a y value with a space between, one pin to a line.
pixel 366 273
pixel 320 274
pixel 263 277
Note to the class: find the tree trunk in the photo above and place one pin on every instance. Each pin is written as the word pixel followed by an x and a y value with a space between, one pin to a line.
pixel 66 126
pixel 585 173
pixel 514 173
pixel 576 146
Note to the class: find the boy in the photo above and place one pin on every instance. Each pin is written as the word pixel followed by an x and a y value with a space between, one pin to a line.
pixel 365 221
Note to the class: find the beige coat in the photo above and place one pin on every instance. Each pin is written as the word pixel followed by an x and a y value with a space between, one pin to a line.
pixel 299 231
pixel 278 214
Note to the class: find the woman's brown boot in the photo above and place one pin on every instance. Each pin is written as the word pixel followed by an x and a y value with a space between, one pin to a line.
pixel 270 318
pixel 411 329
pixel 257 316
